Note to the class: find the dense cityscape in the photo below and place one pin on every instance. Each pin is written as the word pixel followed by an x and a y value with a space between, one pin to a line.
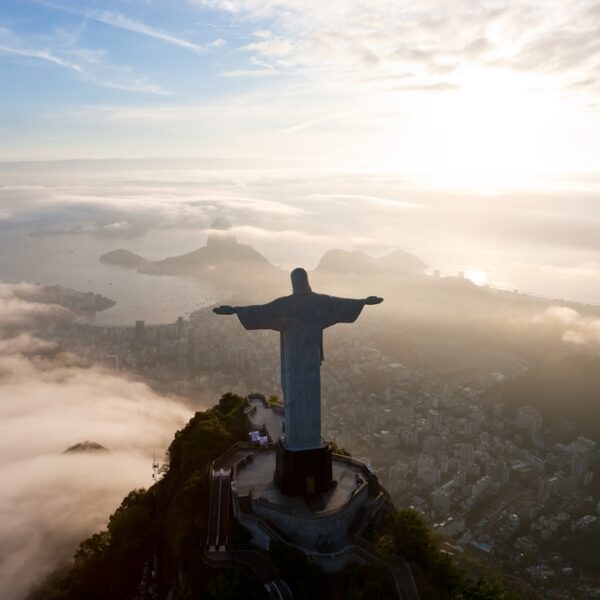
pixel 495 480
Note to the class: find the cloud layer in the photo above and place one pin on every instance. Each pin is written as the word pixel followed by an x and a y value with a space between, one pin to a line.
pixel 480 89
pixel 571 326
pixel 542 240
pixel 401 45
pixel 49 501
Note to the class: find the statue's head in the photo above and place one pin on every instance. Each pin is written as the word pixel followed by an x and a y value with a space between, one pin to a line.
pixel 300 283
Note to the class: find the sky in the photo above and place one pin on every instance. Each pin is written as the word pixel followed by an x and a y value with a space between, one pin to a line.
pixel 465 132
pixel 465 90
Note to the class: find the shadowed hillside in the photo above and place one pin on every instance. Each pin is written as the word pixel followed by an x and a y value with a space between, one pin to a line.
pixel 153 545
pixel 358 262
pixel 564 388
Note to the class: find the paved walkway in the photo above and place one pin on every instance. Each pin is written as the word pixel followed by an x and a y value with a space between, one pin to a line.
pixel 271 419
pixel 257 475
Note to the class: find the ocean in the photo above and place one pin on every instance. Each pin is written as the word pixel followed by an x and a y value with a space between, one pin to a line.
pixel 73 261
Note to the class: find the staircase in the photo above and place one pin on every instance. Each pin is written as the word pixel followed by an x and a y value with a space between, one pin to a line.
pixel 219 510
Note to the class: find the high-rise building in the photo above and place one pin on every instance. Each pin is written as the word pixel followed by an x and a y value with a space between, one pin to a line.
pixel 140 330
pixel 480 486
pixel 529 419
pixel 579 465
pixel 499 472
pixel 460 479
pixel 440 501
pixel 464 453
pixel 498 409
pixel 434 420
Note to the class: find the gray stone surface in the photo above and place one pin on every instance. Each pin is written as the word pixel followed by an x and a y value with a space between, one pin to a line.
pixel 326 526
pixel 256 476
pixel 271 419
pixel 319 522
pixel 301 318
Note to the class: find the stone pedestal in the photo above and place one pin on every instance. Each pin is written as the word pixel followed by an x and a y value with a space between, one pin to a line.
pixel 303 472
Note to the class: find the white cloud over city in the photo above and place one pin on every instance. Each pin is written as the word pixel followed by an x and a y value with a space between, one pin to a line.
pixel 49 401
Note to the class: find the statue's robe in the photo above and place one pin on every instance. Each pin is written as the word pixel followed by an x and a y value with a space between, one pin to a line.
pixel 300 319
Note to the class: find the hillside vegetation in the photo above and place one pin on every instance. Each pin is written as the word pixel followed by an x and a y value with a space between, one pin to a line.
pixel 152 547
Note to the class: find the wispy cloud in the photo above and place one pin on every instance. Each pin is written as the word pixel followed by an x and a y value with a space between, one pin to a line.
pixel 310 123
pixel 90 66
pixel 367 199
pixel 38 54
pixel 250 73
pixel 120 21
pixel 353 40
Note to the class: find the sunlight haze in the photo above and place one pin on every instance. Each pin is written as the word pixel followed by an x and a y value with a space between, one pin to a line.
pixel 198 198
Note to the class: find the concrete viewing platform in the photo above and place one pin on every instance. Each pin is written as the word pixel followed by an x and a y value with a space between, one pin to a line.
pixel 324 525
pixel 256 478
pixel 319 524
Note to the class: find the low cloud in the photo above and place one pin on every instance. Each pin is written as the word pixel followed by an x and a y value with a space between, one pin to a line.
pixel 113 230
pixel 561 325
pixel 140 202
pixel 293 214
pixel 49 501
pixel 573 327
pixel 20 310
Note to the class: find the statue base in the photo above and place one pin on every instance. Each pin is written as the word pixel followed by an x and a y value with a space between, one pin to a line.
pixel 303 472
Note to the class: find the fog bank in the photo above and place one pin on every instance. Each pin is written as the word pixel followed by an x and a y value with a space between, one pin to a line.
pixel 49 501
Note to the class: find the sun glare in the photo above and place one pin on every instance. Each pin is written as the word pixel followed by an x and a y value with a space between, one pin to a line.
pixel 496 126
pixel 477 277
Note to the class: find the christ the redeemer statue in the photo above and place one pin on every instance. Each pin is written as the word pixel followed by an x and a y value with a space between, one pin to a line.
pixel 300 319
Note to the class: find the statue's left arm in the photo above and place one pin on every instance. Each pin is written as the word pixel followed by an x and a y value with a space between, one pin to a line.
pixel 346 310
pixel 260 316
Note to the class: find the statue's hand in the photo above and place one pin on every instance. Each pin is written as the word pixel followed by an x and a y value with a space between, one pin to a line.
pixel 224 310
pixel 373 300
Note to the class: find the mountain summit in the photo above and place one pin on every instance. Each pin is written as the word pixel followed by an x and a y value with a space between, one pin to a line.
pixel 223 259
pixel 358 262
pixel 123 258
pixel 223 256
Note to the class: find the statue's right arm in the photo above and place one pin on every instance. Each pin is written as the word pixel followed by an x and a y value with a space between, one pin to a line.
pixel 260 316
pixel 224 310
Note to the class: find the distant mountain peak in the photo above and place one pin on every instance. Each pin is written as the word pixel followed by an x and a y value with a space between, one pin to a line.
pixel 220 234
pixel 359 262
pixel 86 446
pixel 123 258
pixel 221 223
pixel 222 256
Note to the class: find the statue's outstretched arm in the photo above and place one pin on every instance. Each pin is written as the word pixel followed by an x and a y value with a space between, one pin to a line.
pixel 260 316
pixel 345 310
pixel 224 310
